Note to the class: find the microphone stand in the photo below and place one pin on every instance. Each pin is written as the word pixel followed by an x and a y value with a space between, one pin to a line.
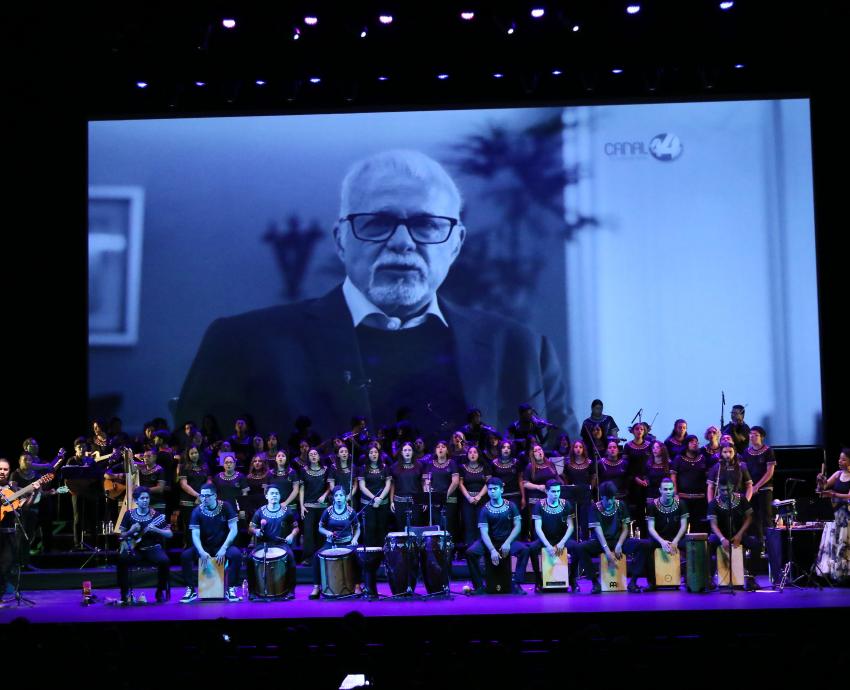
pixel 598 460
pixel 729 520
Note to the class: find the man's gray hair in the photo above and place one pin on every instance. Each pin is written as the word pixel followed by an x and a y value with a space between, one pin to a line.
pixel 402 162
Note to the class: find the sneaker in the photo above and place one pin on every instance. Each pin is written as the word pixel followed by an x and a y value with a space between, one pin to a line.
pixel 231 594
pixel 161 596
pixel 190 595
pixel 597 588
pixel 634 588
pixel 517 589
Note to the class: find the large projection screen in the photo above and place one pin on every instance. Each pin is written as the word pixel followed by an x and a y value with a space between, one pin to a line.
pixel 651 255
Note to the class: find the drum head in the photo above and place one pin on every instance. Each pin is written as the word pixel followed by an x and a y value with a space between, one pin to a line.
pixel 270 553
pixel 334 553
pixel 397 535
pixel 435 533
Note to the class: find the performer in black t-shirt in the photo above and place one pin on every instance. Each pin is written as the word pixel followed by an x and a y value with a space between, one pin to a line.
pixel 689 472
pixel 152 476
pixel 473 487
pixel 609 522
pixel 731 471
pixel 675 442
pixel 341 529
pixel 761 463
pixel 666 522
pixel 499 524
pixel 213 527
pixel 276 525
pixel 605 422
pixel 192 475
pixel 442 478
pixel 738 429
pixel 344 474
pixel 615 469
pixel 406 488
pixel 312 499
pixel 286 479
pixel 727 535
pixel 553 525
pixel 375 482
pixel 579 470
pixel 142 532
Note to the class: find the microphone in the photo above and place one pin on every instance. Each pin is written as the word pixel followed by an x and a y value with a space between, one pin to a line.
pixel 263 524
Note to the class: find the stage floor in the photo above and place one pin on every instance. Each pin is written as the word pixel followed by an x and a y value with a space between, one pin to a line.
pixel 64 606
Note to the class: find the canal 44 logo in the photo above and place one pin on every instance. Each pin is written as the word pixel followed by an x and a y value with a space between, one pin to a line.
pixel 665 147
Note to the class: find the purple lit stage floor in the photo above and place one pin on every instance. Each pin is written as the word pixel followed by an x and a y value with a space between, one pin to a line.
pixel 63 606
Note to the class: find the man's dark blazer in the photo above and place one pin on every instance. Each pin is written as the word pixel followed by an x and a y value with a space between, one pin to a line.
pixel 303 358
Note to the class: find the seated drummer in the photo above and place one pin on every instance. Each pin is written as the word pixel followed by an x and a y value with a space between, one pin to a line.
pixel 609 522
pixel 723 533
pixel 150 527
pixel 499 524
pixel 213 527
pixel 666 522
pixel 276 526
pixel 341 529
pixel 553 524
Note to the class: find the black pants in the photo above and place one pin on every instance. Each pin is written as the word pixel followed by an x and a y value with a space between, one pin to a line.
pixel 762 515
pixel 697 510
pixel 8 558
pixel 377 525
pixel 155 556
pixel 469 517
pixel 631 547
pixel 573 549
pixel 46 518
pixel 312 538
pixel 87 513
pixel 402 510
pixel 189 559
pixel 29 519
pixel 185 514
pixel 477 550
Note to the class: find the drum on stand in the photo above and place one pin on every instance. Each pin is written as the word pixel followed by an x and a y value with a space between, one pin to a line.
pixel 436 556
pixel 696 562
pixel 612 576
pixel 400 554
pixel 338 568
pixel 737 567
pixel 267 569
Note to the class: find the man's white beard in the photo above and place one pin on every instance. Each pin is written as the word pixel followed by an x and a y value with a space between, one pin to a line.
pixel 403 292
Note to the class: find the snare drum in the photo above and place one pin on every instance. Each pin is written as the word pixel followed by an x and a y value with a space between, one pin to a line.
pixel 339 572
pixel 400 559
pixel 436 557
pixel 267 569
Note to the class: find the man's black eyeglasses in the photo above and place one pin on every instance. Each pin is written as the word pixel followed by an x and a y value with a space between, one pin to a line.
pixel 379 227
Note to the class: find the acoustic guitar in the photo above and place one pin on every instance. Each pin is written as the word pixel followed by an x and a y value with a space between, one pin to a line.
pixel 12 500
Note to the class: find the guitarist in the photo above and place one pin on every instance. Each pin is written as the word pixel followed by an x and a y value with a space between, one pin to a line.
pixel 8 532
pixel 142 533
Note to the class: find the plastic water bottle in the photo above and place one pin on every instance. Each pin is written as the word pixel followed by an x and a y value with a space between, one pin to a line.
pixel 86 592
pixel 245 589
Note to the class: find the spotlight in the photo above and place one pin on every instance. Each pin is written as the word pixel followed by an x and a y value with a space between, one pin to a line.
pixel 556 73
pixel 310 20
pixel 467 16
pixel 512 29
pixel 538 12
pixel 442 76
pixel 200 83
pixel 142 84
pixel 616 70
pixel 383 78
pixel 633 9
pixel 228 23
pixel 575 28
pixel 497 75
pixel 315 80
pixel 740 65
pixel 363 33
pixel 260 82
pixel 727 5
pixel 297 34
pixel 385 19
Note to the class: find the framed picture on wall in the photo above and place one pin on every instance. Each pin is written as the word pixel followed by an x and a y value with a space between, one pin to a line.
pixel 115 227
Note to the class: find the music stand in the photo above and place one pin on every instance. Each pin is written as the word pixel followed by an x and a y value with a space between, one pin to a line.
pixel 79 478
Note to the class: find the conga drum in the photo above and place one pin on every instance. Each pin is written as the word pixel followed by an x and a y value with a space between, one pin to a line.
pixel 338 568
pixel 210 579
pixel 555 572
pixel 612 576
pixel 696 558
pixel 668 572
pixel 737 566
pixel 497 578
pixel 436 555
pixel 399 561
pixel 267 572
